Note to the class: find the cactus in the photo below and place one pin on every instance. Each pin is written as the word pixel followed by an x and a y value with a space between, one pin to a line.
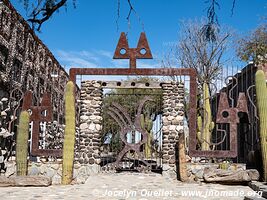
pixel 22 144
pixel 69 137
pixel 205 123
pixel 261 95
pixel 147 124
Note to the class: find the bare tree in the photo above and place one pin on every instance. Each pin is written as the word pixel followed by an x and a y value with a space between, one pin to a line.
pixel 207 57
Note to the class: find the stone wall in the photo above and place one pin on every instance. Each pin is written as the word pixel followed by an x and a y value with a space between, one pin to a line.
pixel 88 147
pixel 53 170
pixel 173 117
pixel 26 62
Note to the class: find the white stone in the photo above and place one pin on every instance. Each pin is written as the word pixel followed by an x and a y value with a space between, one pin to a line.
pixel 179 128
pixel 99 118
pixel 84 118
pixel 56 180
pixel 4 99
pixel 84 126
pixel 170 118
pixel 180 105
pixel 98 127
pixel 172 127
pixel 86 101
pixel 92 117
pixel 11 169
pixel 93 169
pixel 179 118
pixel 97 85
pixel 165 128
pixel 3 113
pixel 92 127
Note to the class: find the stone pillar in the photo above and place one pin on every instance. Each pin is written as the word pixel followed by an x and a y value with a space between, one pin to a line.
pixel 173 116
pixel 88 148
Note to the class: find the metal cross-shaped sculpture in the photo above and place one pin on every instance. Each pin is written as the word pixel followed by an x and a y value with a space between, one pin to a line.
pixel 42 113
pixel 142 51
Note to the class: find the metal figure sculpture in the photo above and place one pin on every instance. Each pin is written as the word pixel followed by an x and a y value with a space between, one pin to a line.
pixel 126 125
pixel 124 52
pixel 231 115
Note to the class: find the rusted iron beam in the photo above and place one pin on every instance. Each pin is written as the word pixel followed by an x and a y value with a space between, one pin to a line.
pixel 133 72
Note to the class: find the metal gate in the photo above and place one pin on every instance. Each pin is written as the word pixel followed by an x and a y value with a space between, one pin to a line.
pixel 131 134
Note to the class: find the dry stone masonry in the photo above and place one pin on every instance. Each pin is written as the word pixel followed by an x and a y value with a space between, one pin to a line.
pixel 88 148
pixel 173 117
pixel 90 123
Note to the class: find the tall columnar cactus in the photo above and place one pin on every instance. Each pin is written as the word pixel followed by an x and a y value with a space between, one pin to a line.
pixel 261 95
pixel 22 144
pixel 147 124
pixel 69 137
pixel 205 123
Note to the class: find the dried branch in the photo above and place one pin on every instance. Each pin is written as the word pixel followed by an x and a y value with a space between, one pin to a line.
pixel 41 15
pixel 233 7
pixel 211 29
pixel 118 14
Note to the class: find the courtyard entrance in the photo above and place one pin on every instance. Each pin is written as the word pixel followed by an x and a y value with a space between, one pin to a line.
pixel 131 138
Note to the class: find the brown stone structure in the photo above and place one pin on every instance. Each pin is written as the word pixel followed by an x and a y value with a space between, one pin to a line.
pixel 87 151
pixel 173 117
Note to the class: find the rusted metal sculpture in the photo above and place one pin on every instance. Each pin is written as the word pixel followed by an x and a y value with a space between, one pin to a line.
pixel 124 52
pixel 42 113
pixel 227 115
pixel 133 71
pixel 117 112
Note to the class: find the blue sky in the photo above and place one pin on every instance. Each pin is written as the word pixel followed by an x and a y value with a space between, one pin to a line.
pixel 87 36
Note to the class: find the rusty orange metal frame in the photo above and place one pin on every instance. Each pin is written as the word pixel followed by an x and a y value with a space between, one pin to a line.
pixel 193 151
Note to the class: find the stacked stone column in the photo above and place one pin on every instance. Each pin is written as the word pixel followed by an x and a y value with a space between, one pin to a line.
pixel 173 116
pixel 88 150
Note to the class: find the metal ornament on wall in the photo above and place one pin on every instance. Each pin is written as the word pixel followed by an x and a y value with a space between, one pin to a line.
pixel 127 126
pixel 142 51
pixel 42 113
pixel 231 115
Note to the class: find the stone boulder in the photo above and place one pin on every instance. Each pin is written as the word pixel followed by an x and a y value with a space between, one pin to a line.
pixel 226 176
pixel 23 181
pixel 253 174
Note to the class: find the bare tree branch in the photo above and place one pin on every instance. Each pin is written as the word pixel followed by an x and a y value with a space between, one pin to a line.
pixel 41 15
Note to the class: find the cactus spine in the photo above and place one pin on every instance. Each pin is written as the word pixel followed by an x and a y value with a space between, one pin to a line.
pixel 261 95
pixel 146 123
pixel 205 123
pixel 22 144
pixel 69 137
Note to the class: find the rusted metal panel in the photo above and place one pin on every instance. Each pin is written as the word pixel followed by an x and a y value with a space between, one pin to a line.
pixel 226 115
pixel 42 113
pixel 124 52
